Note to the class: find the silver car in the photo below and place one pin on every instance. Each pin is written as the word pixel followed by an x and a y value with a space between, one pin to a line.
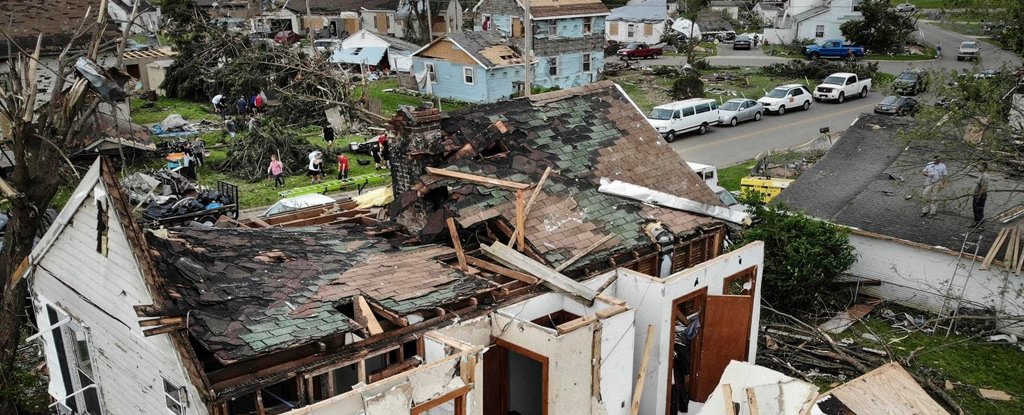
pixel 739 109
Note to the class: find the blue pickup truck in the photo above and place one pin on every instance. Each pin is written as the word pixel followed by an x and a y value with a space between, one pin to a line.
pixel 832 48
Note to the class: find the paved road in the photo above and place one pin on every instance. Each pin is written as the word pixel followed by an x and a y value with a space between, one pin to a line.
pixel 724 146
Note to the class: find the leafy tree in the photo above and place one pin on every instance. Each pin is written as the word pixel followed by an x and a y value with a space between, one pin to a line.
pixel 687 86
pixel 882 30
pixel 803 256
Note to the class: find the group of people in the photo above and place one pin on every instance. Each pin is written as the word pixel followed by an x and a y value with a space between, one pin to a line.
pixel 315 167
pixel 254 105
pixel 935 173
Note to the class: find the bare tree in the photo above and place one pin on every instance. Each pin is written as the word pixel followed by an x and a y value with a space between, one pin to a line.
pixel 37 133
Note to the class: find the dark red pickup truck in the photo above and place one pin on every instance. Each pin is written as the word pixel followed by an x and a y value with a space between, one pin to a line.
pixel 639 51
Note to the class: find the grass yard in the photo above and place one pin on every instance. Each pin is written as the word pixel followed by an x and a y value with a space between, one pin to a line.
pixel 649 91
pixel 969 29
pixel 391 100
pixel 967 362
pixel 927 53
pixel 729 177
pixel 191 111
pixel 927 4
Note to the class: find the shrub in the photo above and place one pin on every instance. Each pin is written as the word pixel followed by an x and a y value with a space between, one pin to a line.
pixel 664 70
pixel 803 256
pixel 687 86
pixel 820 69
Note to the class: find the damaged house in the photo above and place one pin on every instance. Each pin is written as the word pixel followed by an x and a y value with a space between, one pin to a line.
pixel 512 278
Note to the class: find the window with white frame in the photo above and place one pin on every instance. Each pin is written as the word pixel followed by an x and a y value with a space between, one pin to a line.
pixel 819 31
pixel 553 66
pixel 467 75
pixel 588 25
pixel 586 62
pixel 631 30
pixel 554 28
pixel 431 74
pixel 175 397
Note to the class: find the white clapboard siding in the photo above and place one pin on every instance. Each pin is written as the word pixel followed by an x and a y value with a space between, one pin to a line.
pixel 99 292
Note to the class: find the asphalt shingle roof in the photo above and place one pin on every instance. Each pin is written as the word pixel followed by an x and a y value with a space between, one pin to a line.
pixel 872 180
pixel 254 291
pixel 475 44
pixel 584 134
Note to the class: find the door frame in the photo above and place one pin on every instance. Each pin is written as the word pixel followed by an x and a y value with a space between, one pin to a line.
pixel 543 360
pixel 695 346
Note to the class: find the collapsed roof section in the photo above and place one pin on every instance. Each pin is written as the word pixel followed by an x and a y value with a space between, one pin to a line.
pixel 584 134
pixel 255 291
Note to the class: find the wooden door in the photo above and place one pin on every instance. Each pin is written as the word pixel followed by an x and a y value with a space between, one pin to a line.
pixel 725 329
pixel 517 27
pixel 381 23
pixel 496 381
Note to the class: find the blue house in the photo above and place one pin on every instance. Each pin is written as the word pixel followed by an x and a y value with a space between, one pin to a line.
pixel 568 36
pixel 470 66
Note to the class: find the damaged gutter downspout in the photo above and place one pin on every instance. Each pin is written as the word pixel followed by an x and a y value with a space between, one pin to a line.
pixel 654 197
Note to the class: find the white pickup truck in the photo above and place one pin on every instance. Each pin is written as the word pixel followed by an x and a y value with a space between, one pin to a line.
pixel 838 86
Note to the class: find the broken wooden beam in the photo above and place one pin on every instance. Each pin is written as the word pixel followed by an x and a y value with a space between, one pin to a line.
pixel 474 178
pixel 665 200
pixel 730 409
pixel 457 243
pixel 500 270
pixel 533 198
pixel 364 315
pixel 752 401
pixel 994 249
pixel 583 253
pixel 638 390
pixel 388 315
pixel 551 278
pixel 162 321
pixel 520 232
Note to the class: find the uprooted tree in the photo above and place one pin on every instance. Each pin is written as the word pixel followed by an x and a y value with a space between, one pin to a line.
pixel 249 158
pixel 37 133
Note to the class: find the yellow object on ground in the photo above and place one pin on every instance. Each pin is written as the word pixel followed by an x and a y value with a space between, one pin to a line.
pixel 766 186
pixel 376 198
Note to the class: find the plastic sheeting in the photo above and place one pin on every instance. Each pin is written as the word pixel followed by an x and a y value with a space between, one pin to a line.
pixel 654 197
pixel 684 26
pixel 376 198
pixel 640 11
pixel 368 55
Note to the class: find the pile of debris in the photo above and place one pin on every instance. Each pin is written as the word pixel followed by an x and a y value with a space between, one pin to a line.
pixel 165 194
pixel 176 126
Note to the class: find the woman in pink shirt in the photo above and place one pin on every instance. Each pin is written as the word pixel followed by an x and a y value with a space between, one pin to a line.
pixel 276 170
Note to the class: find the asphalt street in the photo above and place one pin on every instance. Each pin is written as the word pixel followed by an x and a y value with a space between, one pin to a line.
pixel 725 146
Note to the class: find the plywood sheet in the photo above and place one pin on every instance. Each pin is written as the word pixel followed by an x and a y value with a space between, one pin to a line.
pixel 890 390
pixel 726 327
pixel 448 51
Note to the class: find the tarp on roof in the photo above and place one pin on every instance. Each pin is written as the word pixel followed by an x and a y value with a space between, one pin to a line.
pixel 685 26
pixel 642 11
pixel 370 55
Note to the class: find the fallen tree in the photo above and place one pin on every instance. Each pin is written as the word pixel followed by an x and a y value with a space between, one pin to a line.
pixel 249 156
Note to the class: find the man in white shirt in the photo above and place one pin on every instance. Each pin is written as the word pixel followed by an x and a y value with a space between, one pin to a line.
pixel 934 172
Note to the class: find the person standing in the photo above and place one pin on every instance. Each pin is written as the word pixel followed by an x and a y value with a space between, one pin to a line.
pixel 329 135
pixel 276 170
pixel 252 103
pixel 342 166
pixel 938 50
pixel 241 104
pixel 384 147
pixel 259 103
pixel 980 194
pixel 316 167
pixel 231 127
pixel 934 172
pixel 218 105
pixel 251 124
pixel 199 150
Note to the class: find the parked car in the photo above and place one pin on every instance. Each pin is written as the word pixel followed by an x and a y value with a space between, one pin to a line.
pixel 786 97
pixel 906 7
pixel 968 51
pixel 326 45
pixel 694 114
pixel 739 109
pixel 910 82
pixel 742 42
pixel 286 37
pixel 896 105
pixel 840 85
pixel 832 49
pixel 638 51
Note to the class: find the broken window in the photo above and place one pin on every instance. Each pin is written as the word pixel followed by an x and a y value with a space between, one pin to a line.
pixel 588 25
pixel 102 227
pixel 431 74
pixel 553 66
pixel 175 397
pixel 630 30
pixel 467 75
pixel 586 62
pixel 357 51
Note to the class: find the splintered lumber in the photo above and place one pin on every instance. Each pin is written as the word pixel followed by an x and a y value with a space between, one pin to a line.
pixel 481 180
pixel 364 316
pixel 752 402
pixel 638 390
pixel 520 232
pixel 551 278
pixel 1013 251
pixel 533 198
pixel 500 270
pixel 458 244
pixel 994 250
pixel 584 252
pixel 727 397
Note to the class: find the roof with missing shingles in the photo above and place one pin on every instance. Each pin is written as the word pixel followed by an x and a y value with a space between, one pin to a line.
pixel 255 291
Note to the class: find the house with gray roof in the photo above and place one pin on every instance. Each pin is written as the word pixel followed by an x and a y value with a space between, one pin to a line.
pixel 871 182
pixel 470 66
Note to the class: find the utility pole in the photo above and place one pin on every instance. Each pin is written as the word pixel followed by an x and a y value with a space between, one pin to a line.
pixel 430 23
pixel 528 45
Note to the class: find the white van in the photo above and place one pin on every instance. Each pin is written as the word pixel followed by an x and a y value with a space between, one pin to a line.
pixel 706 172
pixel 694 114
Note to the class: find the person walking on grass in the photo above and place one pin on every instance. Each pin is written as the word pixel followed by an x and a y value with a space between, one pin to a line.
pixel 199 150
pixel 231 127
pixel 316 167
pixel 342 166
pixel 329 135
pixel 276 171
pixel 938 50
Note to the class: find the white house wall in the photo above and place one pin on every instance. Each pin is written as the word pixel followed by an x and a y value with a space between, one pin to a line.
pixel 652 300
pixel 919 277
pixel 99 293
pixel 621 35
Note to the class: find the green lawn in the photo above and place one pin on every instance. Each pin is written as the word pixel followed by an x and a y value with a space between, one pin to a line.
pixel 390 100
pixel 925 4
pixel 962 360
pixel 191 111
pixel 649 91
pixel 927 53
pixel 729 177
pixel 969 29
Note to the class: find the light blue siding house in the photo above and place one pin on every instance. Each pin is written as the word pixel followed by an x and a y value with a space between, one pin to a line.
pixel 470 66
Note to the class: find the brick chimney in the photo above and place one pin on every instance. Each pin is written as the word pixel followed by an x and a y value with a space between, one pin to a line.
pixel 414 145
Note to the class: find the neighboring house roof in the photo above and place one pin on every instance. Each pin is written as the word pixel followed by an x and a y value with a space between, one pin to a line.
pixel 396 43
pixel 810 13
pixel 711 21
pixel 56 20
pixel 651 11
pixel 104 132
pixel 255 291
pixel 728 3
pixel 871 180
pixel 544 9
pixel 584 134
pixel 768 7
pixel 489 49
pixel 336 6
pixel 359 55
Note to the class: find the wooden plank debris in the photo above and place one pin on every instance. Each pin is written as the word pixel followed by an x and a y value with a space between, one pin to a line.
pixel 638 389
pixel 457 243
pixel 500 270
pixel 752 401
pixel 583 253
pixel 481 180
pixel 520 231
pixel 551 278
pixel 730 408
pixel 994 250
pixel 364 315
pixel 533 198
